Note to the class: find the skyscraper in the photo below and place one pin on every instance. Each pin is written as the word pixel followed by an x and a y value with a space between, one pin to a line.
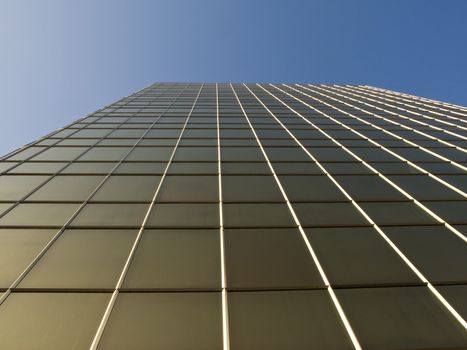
pixel 240 216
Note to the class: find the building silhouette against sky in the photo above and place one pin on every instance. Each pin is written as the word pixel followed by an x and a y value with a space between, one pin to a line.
pixel 232 216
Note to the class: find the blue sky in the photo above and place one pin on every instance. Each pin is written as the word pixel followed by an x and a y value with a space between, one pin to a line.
pixel 60 60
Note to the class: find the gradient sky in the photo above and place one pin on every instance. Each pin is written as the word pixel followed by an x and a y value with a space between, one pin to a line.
pixel 60 60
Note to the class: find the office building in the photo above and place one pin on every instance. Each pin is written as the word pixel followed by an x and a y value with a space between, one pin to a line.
pixel 240 216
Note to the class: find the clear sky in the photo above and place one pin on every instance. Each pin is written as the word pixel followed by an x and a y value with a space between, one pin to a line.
pixel 60 60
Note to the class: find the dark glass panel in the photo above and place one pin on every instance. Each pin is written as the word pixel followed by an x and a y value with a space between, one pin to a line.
pixel 269 258
pixel 277 320
pixel 439 254
pixel 192 215
pixel 15 187
pixel 128 188
pixel 176 259
pixel 164 321
pixel 189 189
pixel 124 215
pixel 358 256
pixel 82 259
pixel 302 188
pixel 257 215
pixel 250 189
pixel 52 321
pixel 67 188
pixel 35 214
pixel 329 214
pixel 397 213
pixel 455 295
pixel 18 248
pixel 400 318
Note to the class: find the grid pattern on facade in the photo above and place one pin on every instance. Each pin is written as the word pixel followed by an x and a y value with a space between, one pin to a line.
pixel 240 216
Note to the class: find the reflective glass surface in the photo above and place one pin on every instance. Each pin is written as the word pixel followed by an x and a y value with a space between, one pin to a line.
pixel 239 216
pixel 268 259
pixel 51 320
pixel 402 317
pixel 166 321
pixel 285 320
pixel 176 259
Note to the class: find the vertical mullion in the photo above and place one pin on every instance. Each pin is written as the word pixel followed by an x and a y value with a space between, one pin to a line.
pixel 225 314
pixel 329 288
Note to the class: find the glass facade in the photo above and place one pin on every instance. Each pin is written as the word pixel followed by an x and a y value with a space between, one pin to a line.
pixel 240 216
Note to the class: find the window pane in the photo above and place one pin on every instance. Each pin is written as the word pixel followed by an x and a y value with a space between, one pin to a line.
pixel 195 154
pixel 154 154
pixel 141 168
pixel 18 248
pixel 257 215
pixel 34 214
pixel 400 318
pixel 311 189
pixel 13 188
pixel 286 154
pixel 397 213
pixel 164 321
pixel 176 259
pixel 374 154
pixel 82 259
pixel 369 188
pixel 331 154
pixel 414 154
pixel 285 320
pixel 242 154
pixel 67 188
pixel 329 214
pixel 455 295
pixel 26 153
pixel 424 187
pixel 437 252
pixel 245 168
pixel 51 320
pixel 269 258
pixel 4 166
pixel 60 153
pixel 453 212
pixel 91 133
pixel 123 215
pixel 358 256
pixel 297 168
pixel 395 168
pixel 250 189
pixel 37 168
pixel 4 206
pixel 189 189
pixel 458 181
pixel 192 168
pixel 89 168
pixel 128 188
pixel 346 168
pixel 105 153
pixel 184 215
